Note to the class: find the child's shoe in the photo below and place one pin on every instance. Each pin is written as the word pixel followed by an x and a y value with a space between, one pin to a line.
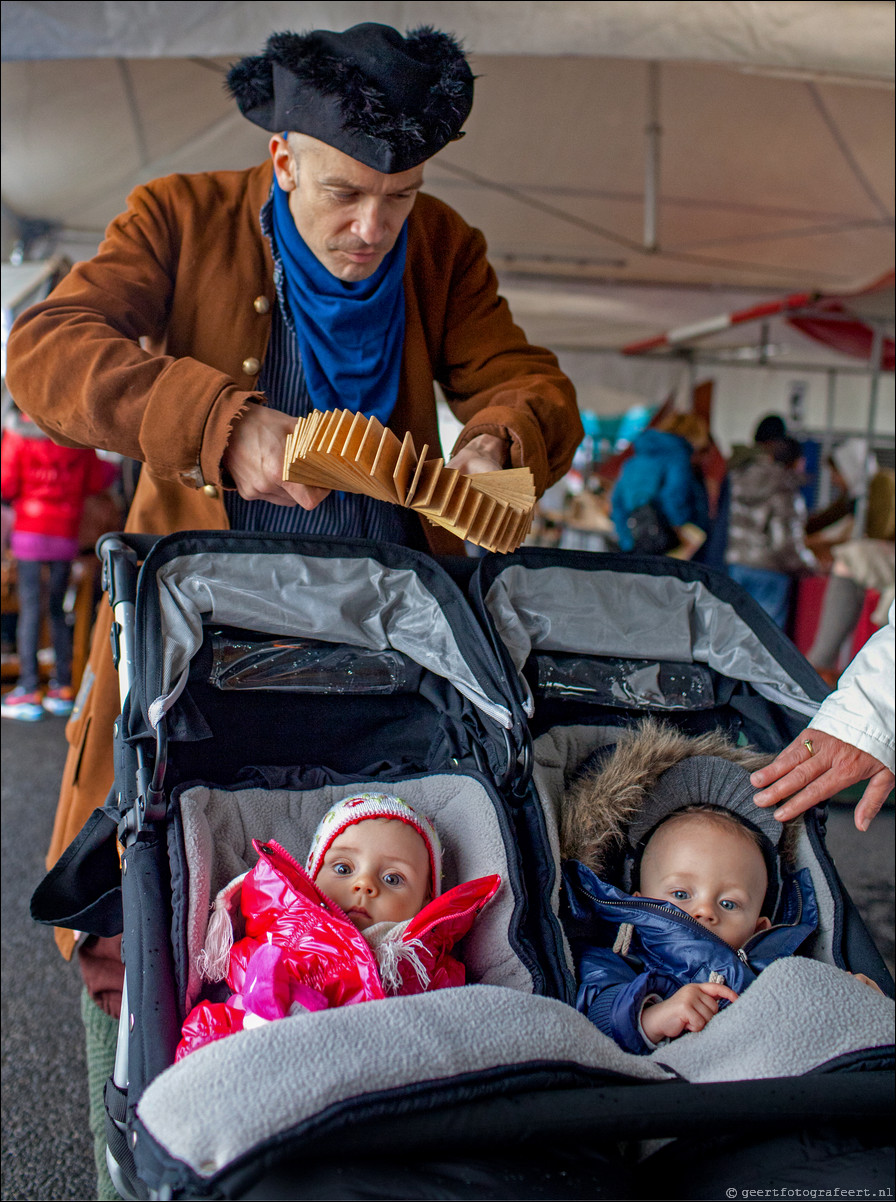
pixel 59 699
pixel 24 707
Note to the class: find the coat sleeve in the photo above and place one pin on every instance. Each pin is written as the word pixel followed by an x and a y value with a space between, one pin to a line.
pixel 77 363
pixel 612 995
pixel 861 709
pixel 494 379
pixel 206 1023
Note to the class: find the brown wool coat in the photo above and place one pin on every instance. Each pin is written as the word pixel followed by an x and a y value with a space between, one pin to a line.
pixel 153 348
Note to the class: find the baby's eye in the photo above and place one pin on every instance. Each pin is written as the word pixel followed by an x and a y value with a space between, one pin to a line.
pixel 727 904
pixel 680 894
pixel 393 879
pixel 341 868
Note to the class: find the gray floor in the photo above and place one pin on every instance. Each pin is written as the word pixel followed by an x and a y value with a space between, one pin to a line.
pixel 46 1145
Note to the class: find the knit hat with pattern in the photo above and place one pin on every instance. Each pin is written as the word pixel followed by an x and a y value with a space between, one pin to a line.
pixel 362 807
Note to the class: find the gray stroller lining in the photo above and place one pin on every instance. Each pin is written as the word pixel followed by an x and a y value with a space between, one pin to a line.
pixel 639 617
pixel 219 826
pixel 359 601
pixel 226 1100
pixel 557 754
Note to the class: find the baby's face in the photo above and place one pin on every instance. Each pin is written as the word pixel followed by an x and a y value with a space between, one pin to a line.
pixel 377 871
pixel 712 871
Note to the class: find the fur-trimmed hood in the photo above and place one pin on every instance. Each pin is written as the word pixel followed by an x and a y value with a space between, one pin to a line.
pixel 612 789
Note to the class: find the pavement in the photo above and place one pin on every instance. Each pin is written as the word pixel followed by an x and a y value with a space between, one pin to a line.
pixel 46 1143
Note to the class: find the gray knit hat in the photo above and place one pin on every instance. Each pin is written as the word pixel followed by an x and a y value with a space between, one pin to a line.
pixel 708 780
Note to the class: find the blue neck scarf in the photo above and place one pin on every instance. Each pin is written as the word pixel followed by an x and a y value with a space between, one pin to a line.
pixel 351 336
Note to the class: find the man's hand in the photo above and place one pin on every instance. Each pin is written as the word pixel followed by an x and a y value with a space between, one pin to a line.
pixel 688 1009
pixel 254 458
pixel 807 777
pixel 484 453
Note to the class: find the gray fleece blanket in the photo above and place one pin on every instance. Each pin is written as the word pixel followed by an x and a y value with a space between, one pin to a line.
pixel 225 1099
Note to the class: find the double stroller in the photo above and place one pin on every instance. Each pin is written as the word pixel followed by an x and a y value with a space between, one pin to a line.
pixel 264 679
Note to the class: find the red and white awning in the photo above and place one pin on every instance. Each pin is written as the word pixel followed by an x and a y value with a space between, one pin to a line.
pixel 842 323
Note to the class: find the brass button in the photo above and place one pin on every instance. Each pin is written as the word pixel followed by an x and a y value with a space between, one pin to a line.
pixel 210 490
pixel 251 366
pixel 261 304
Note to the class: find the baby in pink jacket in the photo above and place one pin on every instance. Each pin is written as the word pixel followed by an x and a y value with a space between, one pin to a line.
pixel 365 919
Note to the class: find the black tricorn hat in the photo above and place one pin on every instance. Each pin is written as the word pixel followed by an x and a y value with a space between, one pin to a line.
pixel 386 100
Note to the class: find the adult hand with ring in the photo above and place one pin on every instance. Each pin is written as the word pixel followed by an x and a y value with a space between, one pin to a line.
pixel 802 781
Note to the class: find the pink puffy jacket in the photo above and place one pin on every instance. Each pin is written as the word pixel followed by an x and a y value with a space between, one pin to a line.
pixel 300 951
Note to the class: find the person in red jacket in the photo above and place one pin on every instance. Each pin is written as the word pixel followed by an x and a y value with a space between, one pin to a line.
pixel 46 485
pixel 365 920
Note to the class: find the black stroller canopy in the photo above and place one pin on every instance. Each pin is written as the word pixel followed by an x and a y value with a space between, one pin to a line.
pixel 305 589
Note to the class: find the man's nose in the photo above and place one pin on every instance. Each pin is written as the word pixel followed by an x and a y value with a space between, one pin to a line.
pixel 369 223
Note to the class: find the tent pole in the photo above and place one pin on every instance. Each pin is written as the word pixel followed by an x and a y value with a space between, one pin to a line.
pixel 827 445
pixel 877 347
pixel 653 131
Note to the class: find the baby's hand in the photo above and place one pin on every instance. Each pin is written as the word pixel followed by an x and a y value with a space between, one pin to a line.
pixel 688 1009
pixel 860 976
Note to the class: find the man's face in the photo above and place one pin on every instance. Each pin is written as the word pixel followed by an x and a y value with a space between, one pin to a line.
pixel 348 215
pixel 378 871
pixel 712 871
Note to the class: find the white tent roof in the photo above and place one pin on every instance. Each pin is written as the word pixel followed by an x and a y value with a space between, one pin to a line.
pixel 775 139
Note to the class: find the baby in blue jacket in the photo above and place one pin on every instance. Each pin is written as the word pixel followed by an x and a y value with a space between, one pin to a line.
pixel 702 904
pixel 707 897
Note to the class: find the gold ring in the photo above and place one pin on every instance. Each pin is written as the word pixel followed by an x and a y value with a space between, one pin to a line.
pixel 807 743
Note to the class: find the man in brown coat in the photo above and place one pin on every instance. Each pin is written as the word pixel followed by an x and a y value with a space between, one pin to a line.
pixel 221 306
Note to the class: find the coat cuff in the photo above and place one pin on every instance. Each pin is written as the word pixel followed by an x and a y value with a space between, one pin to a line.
pixel 226 411
pixel 527 447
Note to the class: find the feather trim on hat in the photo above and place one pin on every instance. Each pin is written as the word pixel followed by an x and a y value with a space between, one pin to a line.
pixel 251 81
pixel 448 104
pixel 601 802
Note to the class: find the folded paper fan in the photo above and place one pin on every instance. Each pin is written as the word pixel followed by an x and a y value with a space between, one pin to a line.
pixel 353 453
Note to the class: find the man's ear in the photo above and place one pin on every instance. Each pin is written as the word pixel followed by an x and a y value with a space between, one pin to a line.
pixel 763 924
pixel 284 162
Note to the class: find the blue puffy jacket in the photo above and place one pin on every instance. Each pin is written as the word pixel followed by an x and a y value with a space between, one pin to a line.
pixel 668 949
pixel 660 471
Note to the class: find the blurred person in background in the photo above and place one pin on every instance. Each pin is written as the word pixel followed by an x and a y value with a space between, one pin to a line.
pixel 46 487
pixel 859 559
pixel 766 547
pixel 659 491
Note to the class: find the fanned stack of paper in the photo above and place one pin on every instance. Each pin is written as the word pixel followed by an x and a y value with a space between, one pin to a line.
pixel 353 453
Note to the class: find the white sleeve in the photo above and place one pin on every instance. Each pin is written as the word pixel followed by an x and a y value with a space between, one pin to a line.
pixel 861 709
